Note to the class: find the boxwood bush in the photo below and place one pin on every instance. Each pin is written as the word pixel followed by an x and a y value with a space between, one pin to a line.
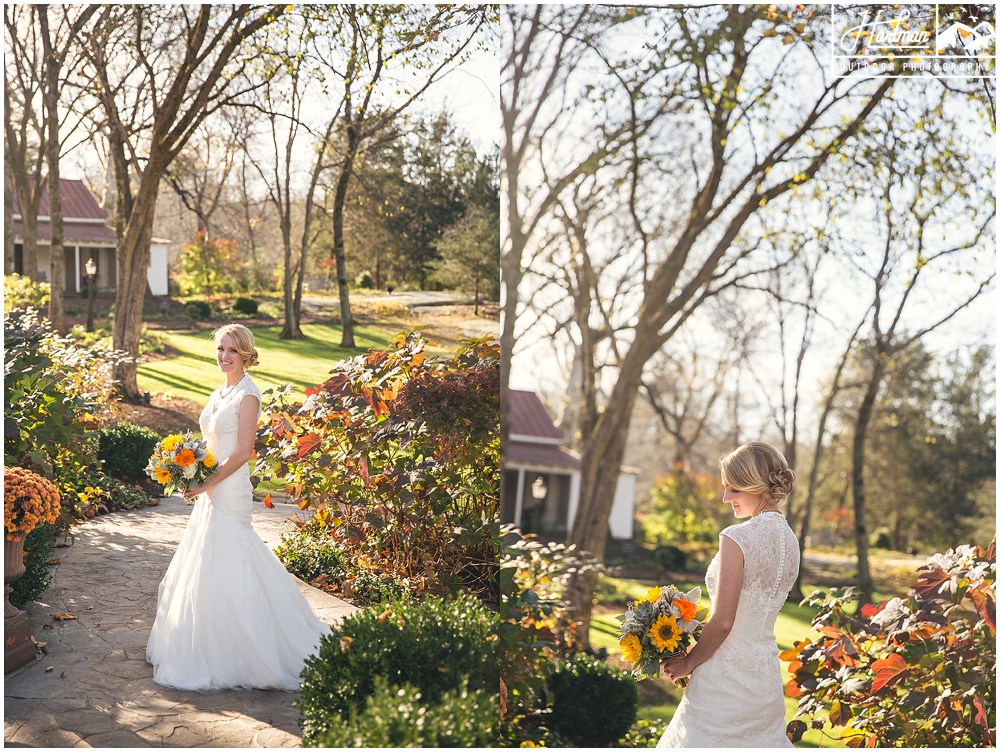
pixel 399 717
pixel 125 449
pixel 436 645
pixel 198 310
pixel 246 306
pixel 593 704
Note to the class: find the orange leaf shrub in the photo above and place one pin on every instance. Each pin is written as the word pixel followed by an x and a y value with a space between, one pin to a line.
pixel 917 671
pixel 28 501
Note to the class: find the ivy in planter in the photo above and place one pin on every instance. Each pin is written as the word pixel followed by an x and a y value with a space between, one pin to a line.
pixel 38 547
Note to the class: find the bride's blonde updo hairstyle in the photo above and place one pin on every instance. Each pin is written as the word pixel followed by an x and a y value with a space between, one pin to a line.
pixel 242 340
pixel 758 468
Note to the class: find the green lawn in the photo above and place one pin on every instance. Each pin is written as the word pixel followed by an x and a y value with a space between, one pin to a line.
pixel 793 624
pixel 194 373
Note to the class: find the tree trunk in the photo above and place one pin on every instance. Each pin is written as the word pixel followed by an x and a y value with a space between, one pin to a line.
pixel 510 279
pixel 8 217
pixel 133 261
pixel 339 199
pixel 29 241
pixel 50 97
pixel 291 328
pixel 858 479
pixel 600 468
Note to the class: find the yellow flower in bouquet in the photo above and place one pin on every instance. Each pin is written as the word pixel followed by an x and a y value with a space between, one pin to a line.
pixel 653 595
pixel 665 634
pixel 170 443
pixel 631 647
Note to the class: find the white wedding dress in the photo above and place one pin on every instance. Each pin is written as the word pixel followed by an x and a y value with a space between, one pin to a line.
pixel 228 614
pixel 736 697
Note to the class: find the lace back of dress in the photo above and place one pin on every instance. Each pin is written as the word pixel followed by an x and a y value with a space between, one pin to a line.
pixel 771 557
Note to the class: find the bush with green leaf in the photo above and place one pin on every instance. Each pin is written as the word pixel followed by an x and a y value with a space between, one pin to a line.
pixel 437 645
pixel 125 449
pixel 669 557
pixel 94 493
pixel 918 671
pixel 401 453
pixel 38 547
pixel 536 625
pixel 22 292
pixel 644 734
pixel 306 552
pixel 149 340
pixel 365 281
pixel 593 704
pixel 399 717
pixel 246 306
pixel 683 508
pixel 197 310
pixel 55 391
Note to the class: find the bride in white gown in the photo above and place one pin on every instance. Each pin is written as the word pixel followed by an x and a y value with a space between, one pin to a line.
pixel 228 615
pixel 735 697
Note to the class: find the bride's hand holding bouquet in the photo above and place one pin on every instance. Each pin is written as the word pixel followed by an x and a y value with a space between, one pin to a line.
pixel 181 462
pixel 661 627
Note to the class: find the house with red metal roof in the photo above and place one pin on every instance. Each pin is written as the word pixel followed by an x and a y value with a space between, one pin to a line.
pixel 542 478
pixel 87 234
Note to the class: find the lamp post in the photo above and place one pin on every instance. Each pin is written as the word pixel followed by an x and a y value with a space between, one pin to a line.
pixel 91 268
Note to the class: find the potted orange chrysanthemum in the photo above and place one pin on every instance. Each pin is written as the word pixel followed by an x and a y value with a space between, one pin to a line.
pixel 28 501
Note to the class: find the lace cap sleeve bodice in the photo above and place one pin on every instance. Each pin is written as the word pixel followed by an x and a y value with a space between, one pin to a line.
pixel 220 419
pixel 770 563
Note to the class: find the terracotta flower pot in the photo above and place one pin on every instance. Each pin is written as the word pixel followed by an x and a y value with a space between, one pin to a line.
pixel 13 569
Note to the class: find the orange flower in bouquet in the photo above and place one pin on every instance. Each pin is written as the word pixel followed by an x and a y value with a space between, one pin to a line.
pixel 29 500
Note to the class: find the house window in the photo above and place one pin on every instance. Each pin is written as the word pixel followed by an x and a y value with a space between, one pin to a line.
pixel 18 258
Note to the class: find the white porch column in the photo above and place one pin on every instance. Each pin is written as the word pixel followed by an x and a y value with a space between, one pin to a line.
pixel 519 499
pixel 574 499
pixel 79 288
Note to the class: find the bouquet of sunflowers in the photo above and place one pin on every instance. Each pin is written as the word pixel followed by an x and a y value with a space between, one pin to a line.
pixel 180 461
pixel 658 626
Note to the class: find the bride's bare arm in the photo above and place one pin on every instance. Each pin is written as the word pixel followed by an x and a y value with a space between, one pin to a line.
pixel 246 434
pixel 720 623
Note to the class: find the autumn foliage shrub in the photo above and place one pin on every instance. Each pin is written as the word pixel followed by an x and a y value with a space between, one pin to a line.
pixel 400 454
pixel 918 671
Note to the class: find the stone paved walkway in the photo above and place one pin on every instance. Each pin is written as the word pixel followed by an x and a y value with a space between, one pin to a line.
pixel 94 688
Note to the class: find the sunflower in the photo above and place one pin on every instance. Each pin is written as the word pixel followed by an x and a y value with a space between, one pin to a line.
pixel 631 647
pixel 687 609
pixel 185 458
pixel 653 595
pixel 665 634
pixel 170 443
pixel 209 459
pixel 163 475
